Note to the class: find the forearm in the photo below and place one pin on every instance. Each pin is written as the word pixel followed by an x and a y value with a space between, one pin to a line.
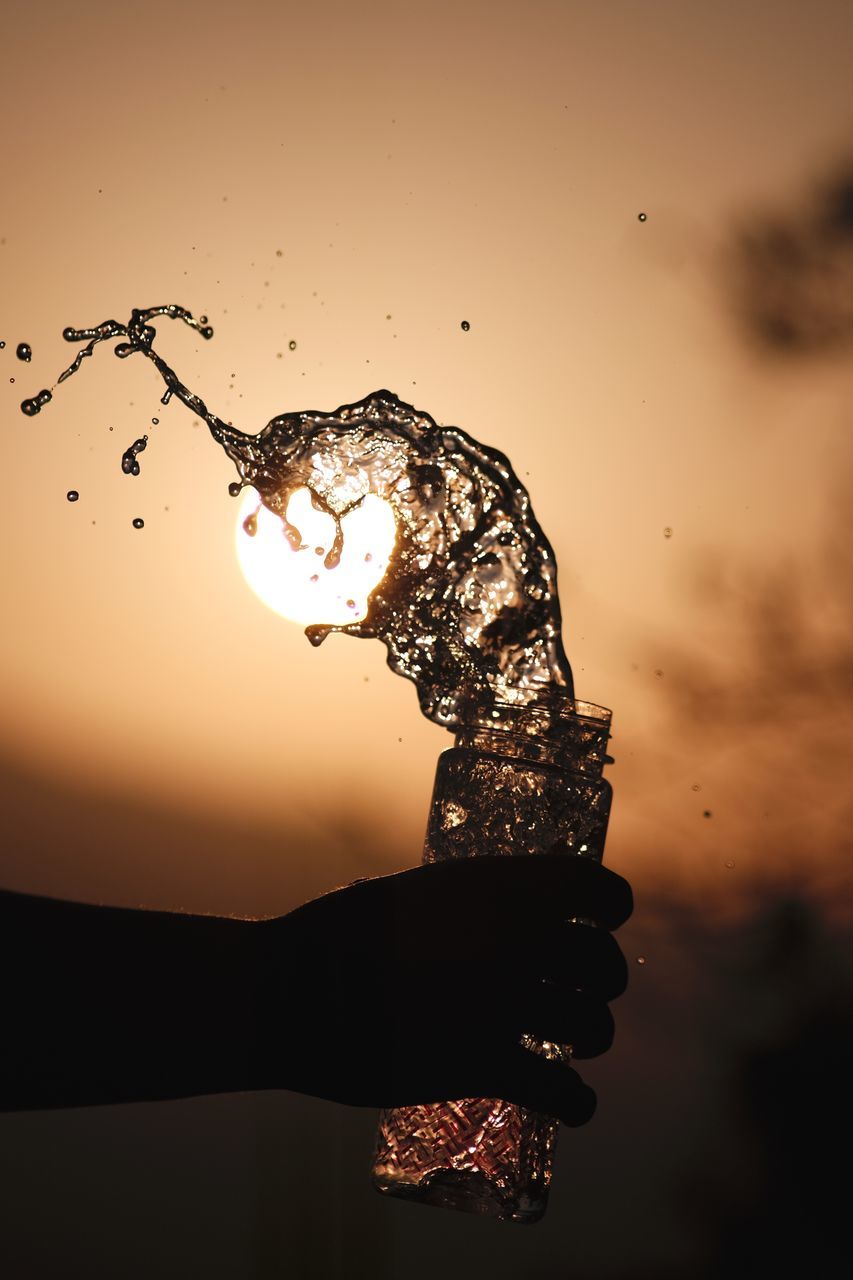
pixel 106 1004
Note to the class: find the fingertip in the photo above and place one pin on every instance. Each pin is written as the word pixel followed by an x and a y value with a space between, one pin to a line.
pixel 582 1107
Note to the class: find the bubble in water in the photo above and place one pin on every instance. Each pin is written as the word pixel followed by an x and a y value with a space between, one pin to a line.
pixel 129 464
pixel 138 522
pixel 72 495
pixel 667 533
pixel 292 344
pixel 24 351
pixel 465 326
pixel 641 217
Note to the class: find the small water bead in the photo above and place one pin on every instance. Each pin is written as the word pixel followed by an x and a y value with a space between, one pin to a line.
pixel 24 351
pixel 250 524
pixel 706 813
pixel 667 533
pixel 658 673
pixel 641 217
pixel 696 787
pixel 465 326
pixel 34 406
pixel 2 345
pixel 730 864
pixel 129 464
pixel 235 488
pixel 292 345
pixel 155 422
pixel 72 495
pixel 641 959
pixel 138 522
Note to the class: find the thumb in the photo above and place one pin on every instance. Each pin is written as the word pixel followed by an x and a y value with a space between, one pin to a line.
pixel 549 1087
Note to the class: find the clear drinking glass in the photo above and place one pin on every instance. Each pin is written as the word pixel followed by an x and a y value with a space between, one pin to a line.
pixel 520 779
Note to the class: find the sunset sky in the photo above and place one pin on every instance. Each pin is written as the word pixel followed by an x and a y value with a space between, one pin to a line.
pixel 360 179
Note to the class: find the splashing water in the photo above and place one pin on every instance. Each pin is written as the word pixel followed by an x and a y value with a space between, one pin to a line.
pixel 468 609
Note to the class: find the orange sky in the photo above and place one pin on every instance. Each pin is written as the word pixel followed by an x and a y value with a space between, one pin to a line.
pixel 303 173
pixel 473 162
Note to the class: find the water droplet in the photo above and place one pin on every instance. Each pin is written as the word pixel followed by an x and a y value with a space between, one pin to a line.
pixel 202 319
pixel 234 488
pixel 318 551
pixel 138 522
pixel 315 577
pixel 465 326
pixel 658 673
pixel 24 351
pixel 2 345
pixel 72 495
pixel 641 217
pixel 730 863
pixel 695 787
pixel 34 406
pixel 155 421
pixel 292 344
pixel 706 813
pixel 350 604
pixel 667 533
pixel 641 959
pixel 129 464
pixel 11 379
pixel 250 524
pixel 278 253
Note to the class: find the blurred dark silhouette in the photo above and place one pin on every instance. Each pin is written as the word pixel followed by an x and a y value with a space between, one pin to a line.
pixel 792 272
pixel 780 1208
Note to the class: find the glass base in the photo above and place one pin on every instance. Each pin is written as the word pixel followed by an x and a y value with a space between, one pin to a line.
pixel 467 1192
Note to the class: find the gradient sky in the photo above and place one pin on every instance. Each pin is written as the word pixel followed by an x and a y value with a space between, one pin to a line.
pixel 304 173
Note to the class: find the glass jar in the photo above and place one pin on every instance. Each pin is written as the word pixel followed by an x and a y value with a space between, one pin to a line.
pixel 521 779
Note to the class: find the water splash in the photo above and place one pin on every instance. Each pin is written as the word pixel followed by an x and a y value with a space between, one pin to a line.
pixel 468 609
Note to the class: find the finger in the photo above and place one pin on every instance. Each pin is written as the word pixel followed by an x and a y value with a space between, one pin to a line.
pixel 543 886
pixel 565 1017
pixel 580 957
pixel 551 1088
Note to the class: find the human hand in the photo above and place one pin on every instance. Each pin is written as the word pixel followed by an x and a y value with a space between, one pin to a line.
pixel 416 987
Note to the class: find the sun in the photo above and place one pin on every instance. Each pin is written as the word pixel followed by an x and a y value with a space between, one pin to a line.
pixel 296 584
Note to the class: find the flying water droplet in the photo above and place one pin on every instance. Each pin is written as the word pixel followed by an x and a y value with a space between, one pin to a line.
pixel 72 495
pixel 641 217
pixel 34 406
pixel 465 326
pixel 24 351
pixel 292 344
pixel 129 464
pixel 138 522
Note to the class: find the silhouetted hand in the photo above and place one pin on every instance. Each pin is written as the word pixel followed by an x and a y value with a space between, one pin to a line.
pixel 415 987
